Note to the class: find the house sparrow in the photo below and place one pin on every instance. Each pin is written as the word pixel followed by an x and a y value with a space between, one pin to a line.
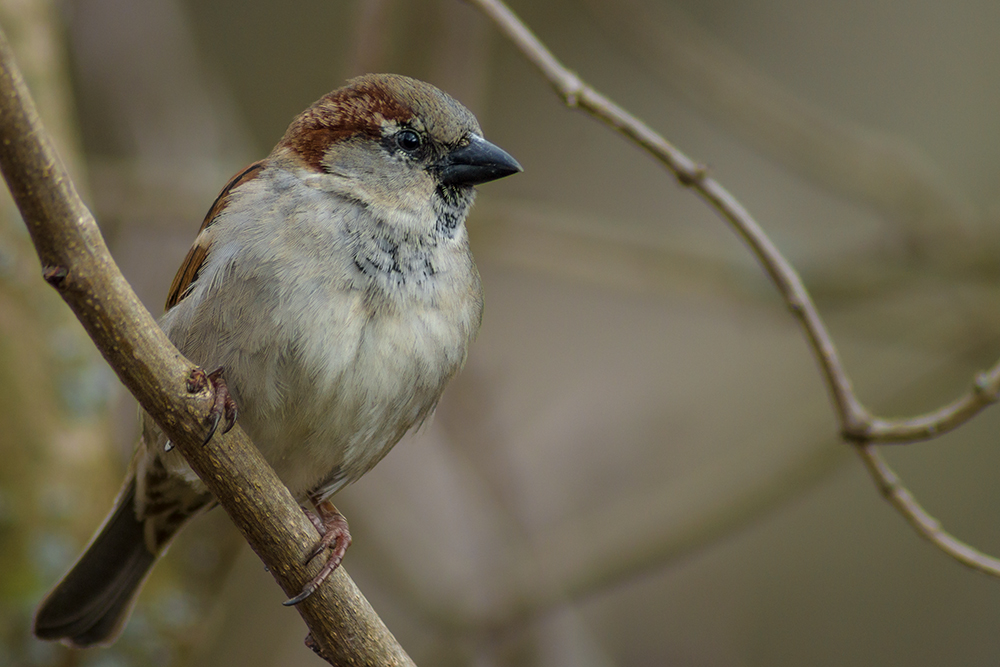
pixel 332 285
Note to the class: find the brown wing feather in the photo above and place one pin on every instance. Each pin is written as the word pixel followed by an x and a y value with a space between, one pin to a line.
pixel 188 272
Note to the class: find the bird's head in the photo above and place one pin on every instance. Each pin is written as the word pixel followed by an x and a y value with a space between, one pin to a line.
pixel 396 145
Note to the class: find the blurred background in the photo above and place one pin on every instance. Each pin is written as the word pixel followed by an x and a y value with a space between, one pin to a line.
pixel 639 464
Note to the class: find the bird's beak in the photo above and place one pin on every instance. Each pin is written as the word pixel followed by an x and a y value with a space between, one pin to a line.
pixel 478 162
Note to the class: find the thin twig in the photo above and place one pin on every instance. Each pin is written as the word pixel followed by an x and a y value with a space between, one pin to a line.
pixel 926 526
pixel 857 424
pixel 76 262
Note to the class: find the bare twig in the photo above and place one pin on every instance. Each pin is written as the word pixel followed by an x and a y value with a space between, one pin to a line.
pixel 857 424
pixel 927 526
pixel 76 262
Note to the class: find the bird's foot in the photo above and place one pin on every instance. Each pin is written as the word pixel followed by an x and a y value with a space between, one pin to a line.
pixel 334 535
pixel 222 406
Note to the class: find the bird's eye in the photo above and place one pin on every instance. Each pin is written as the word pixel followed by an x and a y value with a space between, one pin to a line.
pixel 408 140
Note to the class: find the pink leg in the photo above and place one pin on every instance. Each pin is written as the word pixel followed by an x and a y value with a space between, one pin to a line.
pixel 334 535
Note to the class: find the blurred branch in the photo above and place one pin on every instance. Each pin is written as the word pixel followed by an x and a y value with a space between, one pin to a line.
pixel 677 519
pixel 896 178
pixel 77 264
pixel 857 424
pixel 370 42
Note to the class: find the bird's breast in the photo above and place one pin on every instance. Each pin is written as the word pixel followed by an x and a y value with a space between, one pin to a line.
pixel 351 381
pixel 337 333
pixel 362 354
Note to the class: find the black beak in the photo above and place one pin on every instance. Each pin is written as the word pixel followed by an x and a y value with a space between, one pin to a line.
pixel 478 162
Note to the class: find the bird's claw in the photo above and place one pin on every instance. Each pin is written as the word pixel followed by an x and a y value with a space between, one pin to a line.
pixel 334 535
pixel 222 406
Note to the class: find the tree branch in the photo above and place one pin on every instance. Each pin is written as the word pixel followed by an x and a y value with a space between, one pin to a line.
pixel 75 261
pixel 891 487
pixel 857 424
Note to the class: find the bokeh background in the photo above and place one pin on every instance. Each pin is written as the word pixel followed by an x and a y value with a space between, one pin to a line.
pixel 639 465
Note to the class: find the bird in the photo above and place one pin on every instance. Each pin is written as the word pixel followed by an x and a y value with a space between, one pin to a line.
pixel 332 287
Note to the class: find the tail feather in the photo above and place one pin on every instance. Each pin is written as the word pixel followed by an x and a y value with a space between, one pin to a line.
pixel 91 604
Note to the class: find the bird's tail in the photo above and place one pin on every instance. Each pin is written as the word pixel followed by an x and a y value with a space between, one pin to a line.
pixel 90 605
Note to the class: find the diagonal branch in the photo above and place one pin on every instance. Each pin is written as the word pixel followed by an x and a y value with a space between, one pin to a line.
pixel 76 262
pixel 891 487
pixel 857 424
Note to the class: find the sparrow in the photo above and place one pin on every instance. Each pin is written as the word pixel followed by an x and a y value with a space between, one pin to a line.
pixel 332 287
